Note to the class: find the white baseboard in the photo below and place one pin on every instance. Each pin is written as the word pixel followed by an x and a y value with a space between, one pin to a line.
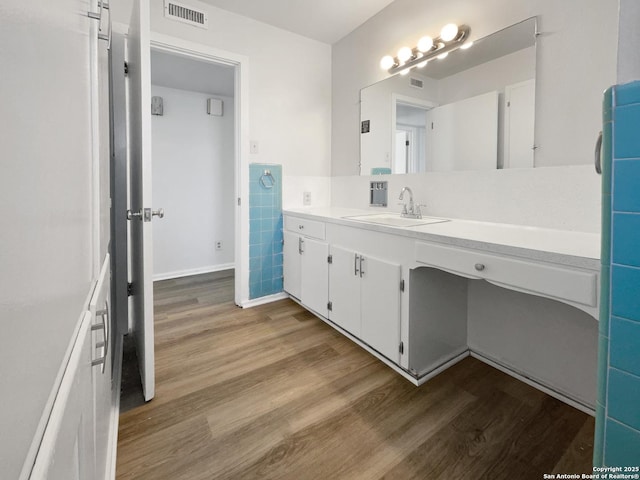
pixel 192 271
pixel 262 300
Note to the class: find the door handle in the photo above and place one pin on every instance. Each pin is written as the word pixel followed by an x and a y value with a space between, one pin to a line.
pixel 149 214
pixel 131 214
pixel 145 214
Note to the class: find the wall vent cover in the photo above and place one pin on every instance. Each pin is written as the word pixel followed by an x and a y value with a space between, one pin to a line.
pixel 416 82
pixel 183 13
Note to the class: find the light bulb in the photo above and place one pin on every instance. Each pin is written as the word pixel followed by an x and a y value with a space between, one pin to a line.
pixel 467 45
pixel 405 71
pixel 449 32
pixel 425 44
pixel 422 64
pixel 443 55
pixel 404 54
pixel 387 62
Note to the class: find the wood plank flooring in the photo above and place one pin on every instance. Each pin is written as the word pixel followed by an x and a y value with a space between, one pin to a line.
pixel 272 392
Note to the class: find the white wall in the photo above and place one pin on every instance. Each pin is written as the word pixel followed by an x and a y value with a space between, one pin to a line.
pixel 566 197
pixel 193 172
pixel 576 61
pixel 289 85
pixel 629 38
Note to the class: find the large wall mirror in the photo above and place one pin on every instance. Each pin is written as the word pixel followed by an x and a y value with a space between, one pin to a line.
pixel 473 110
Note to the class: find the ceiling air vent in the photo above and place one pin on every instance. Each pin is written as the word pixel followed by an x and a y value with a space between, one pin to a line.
pixel 416 82
pixel 182 13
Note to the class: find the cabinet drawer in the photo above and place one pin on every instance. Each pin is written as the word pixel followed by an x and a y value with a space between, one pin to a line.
pixel 308 228
pixel 556 281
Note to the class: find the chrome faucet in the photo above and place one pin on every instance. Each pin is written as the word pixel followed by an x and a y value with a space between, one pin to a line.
pixel 412 210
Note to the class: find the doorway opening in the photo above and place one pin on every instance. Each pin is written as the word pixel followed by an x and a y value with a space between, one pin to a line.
pixel 193 158
pixel 214 187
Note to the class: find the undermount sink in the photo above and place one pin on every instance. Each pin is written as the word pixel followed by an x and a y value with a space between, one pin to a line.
pixel 394 219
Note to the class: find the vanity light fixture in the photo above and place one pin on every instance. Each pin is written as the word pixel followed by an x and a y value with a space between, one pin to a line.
pixel 451 38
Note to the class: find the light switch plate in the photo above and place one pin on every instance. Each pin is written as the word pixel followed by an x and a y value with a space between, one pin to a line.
pixel 253 146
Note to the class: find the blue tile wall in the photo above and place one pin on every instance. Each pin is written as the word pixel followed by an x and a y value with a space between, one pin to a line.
pixel 617 440
pixel 625 185
pixel 625 339
pixel 623 399
pixel 626 230
pixel 265 230
pixel 622 444
pixel 625 291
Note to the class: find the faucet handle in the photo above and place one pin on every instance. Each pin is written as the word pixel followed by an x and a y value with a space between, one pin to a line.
pixel 404 208
pixel 418 211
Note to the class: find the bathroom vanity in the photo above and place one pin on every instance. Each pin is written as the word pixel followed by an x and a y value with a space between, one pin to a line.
pixel 421 294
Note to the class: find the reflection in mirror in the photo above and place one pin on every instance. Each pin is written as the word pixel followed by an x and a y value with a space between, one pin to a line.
pixel 473 110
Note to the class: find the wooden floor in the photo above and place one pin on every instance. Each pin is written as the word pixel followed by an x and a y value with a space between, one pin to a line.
pixel 272 392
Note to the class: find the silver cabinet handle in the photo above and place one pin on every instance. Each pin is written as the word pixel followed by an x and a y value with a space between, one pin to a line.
pixel 105 36
pixel 300 227
pixel 300 245
pixel 104 326
pixel 356 272
pixel 479 267
pixel 97 15
pixel 598 154
pixel 361 267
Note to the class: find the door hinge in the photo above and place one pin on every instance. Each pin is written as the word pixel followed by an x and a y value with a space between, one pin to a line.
pixel 129 289
pixel 330 259
pixel 330 306
pixel 239 201
pixel 126 69
pixel 402 285
pixel 401 348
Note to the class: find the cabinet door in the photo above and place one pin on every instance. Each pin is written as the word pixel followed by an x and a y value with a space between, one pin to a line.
pixel 344 289
pixel 380 306
pixel 67 448
pixel 315 275
pixel 102 349
pixel 291 264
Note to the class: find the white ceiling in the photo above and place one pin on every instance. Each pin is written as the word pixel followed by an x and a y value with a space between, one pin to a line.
pixel 186 74
pixel 324 20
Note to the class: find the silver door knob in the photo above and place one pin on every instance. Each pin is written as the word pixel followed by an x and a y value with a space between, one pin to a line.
pixel 158 213
pixel 131 214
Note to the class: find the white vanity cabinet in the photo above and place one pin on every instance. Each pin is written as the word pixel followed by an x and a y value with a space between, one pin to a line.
pixel 305 263
pixel 364 295
pixel 421 298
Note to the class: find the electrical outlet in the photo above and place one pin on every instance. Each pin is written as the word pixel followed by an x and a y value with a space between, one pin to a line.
pixel 219 245
pixel 306 198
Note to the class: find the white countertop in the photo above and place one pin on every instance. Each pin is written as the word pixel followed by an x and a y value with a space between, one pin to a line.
pixel 579 249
